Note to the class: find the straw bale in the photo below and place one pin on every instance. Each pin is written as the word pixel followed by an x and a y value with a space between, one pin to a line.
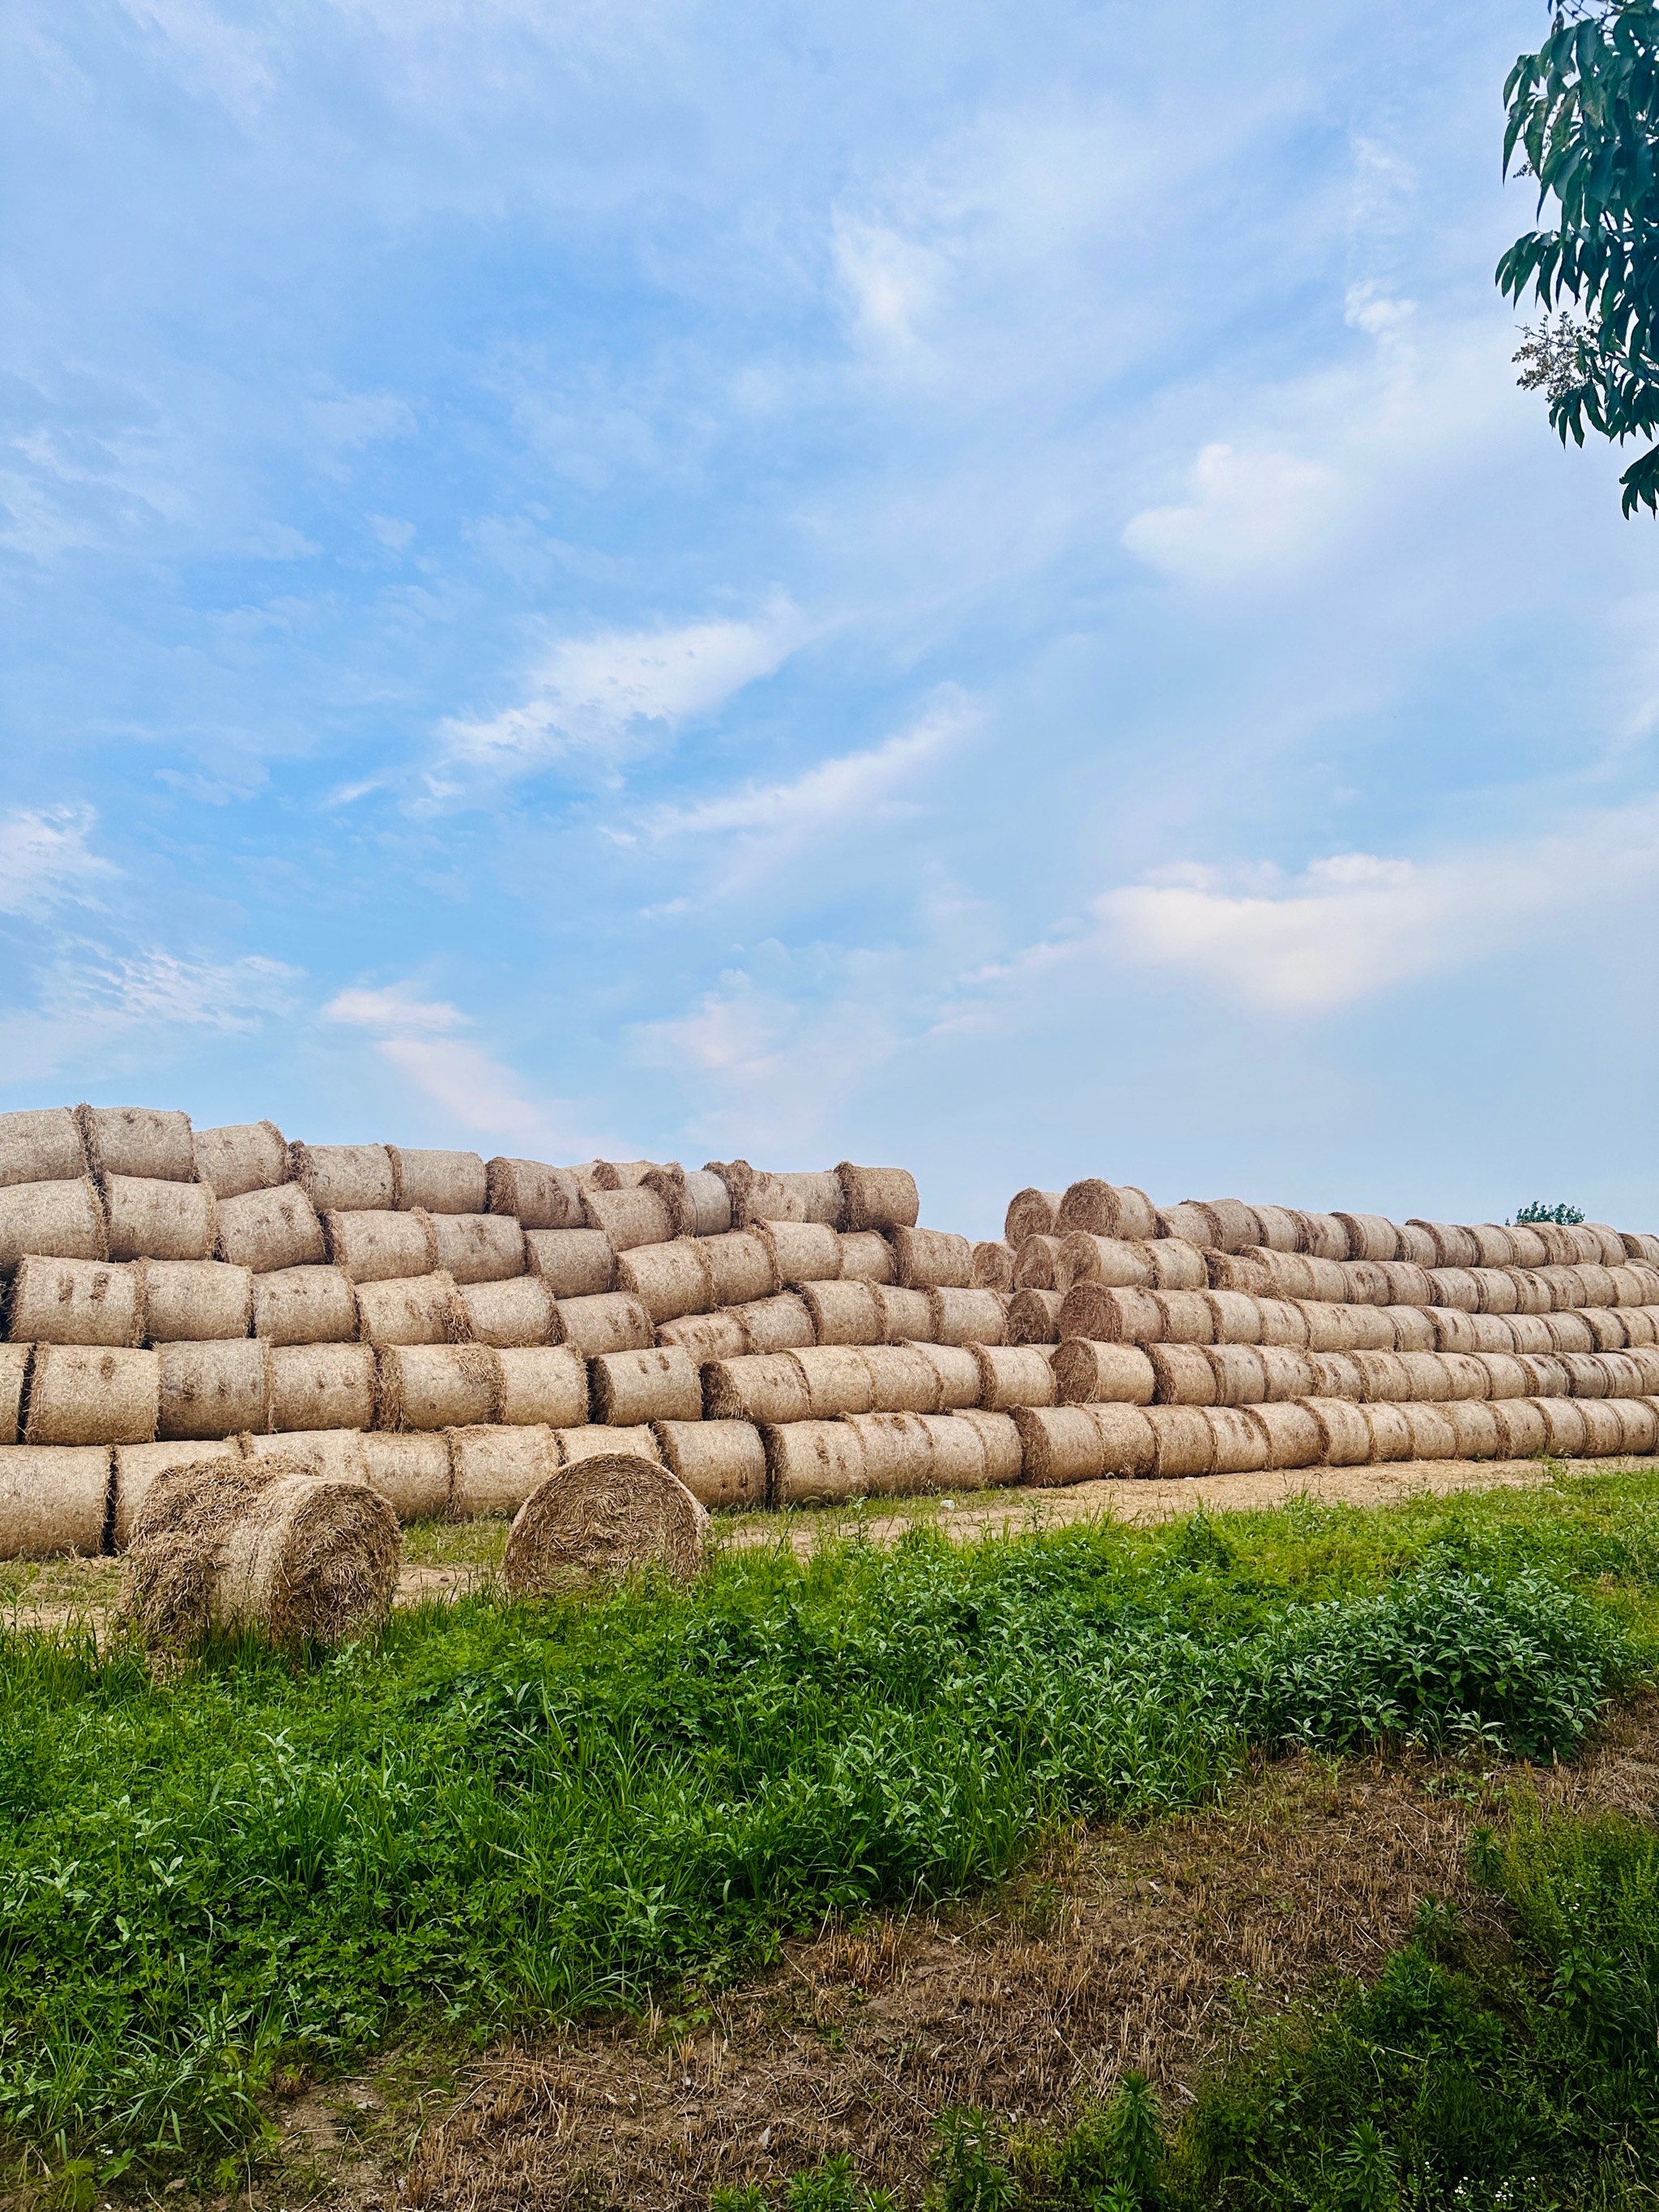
pixel 1626 1374
pixel 1456 1288
pixel 837 1381
pixel 537 1196
pixel 1646 1360
pixel 1586 1375
pixel 1613 1252
pixel 1336 1376
pixel 699 1204
pixel 1248 1273
pixel 438 1182
pixel 1648 1279
pixel 1280 1230
pixel 1599 1289
pixel 1606 1327
pixel 1176 1265
pixel 897 1451
pixel 1630 1287
pixel 1431 1434
pixel 958 1370
pixel 1638 1423
pixel 1382 1376
pixel 1454 1331
pixel 1641 1324
pixel 844 1313
pixel 573 1263
pixel 778 1324
pixel 1238 1226
pixel 493 1469
pixel 269 1230
pixel 1569 1332
pixel 1365 1283
pixel 1391 1432
pixel 382 1246
pixel 767 1387
pixel 1089 1372
pixel 1467 1374
pixel 803 1251
pixel 708 1336
pixel 1287 1274
pixel 1570 1287
pixel 1286 1373
pixel 1345 1433
pixel 213 1389
pixel 1236 1318
pixel 758 1196
pixel 1529 1248
pixel 1604 1432
pixel 1493 1246
pixel 1564 1432
pixel 1240 1378
pixel 76 1301
pixel 1108 1316
pixel 1238 1445
pixel 998 1441
pixel 1531 1333
pixel 906 1315
pixel 1038 1264
pixel 1545 1373
pixel 193 1301
pixel 819 1190
pixel 1322 1236
pixel 1583 1243
pixel 1454 1246
pixel 243 1156
pixel 305 1305
pixel 476 1248
pixel 1329 1278
pixel 435 1385
pixel 1413 1327
pixel 1371 1237
pixel 964 1317
pixel 933 1259
pixel 1096 1208
pixel 1080 1257
pixel 662 1384
pixel 1370 1329
pixel 814 1463
pixel 631 1216
pixel 1034 1316
pixel 1428 1379
pixel 510 1315
pixel 669 1280
pixel 1532 1293
pixel 54 1500
pixel 1061 1444
pixel 1018 1374
pixel 613 1322
pixel 411 1471
pixel 1183 1443
pixel 1183 1375
pixel 322 1386
pixel 150 1218
pixel 595 1437
pixel 1330 1327
pixel 1187 1318
pixel 43 1145
pixel 14 1378
pixel 343 1178
pixel 1505 1376
pixel 1192 1222
pixel 993 1266
pixel 136 1468
pixel 741 1267
pixel 547 1384
pixel 1522 1431
pixel 1408 1284
pixel 1474 1429
pixel 1032 1212
pixel 412 1309
pixel 627 1175
pixel 1639 1245
pixel 880 1198
pixel 1417 1247
pixel 905 1380
pixel 92 1394
pixel 721 1463
pixel 1284 1323
pixel 150 1143
pixel 336 1454
pixel 53 1220
pixel 957 1458
pixel 866 1256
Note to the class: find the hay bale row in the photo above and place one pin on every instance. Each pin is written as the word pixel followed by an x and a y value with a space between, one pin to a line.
pixel 1400 1282
pixel 91 1302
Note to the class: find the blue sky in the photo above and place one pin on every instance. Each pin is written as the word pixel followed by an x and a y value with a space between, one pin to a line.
pixel 966 585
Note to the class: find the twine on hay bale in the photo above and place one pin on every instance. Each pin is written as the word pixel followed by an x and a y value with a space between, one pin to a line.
pixel 248 1156
pixel 604 1517
pixel 44 1145
pixel 76 1301
pixel 267 1229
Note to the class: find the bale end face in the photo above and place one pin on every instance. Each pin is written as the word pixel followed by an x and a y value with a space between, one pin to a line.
pixel 610 1515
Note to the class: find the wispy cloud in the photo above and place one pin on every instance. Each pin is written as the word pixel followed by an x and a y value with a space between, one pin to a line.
pixel 92 1005
pixel 1248 513
pixel 44 860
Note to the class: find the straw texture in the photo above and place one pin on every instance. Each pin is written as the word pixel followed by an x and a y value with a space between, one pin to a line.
pixel 438 1183
pixel 414 1310
pixel 612 1323
pixel 721 1463
pixel 53 1501
pixel 267 1229
pixel 343 1178
pixel 510 1314
pixel 1060 1444
pixel 998 1441
pixel 87 1394
pixel 669 1280
pixel 247 1156
pixel 56 1220
pixel 44 1145
pixel 381 1246
pixel 322 1386
pixel 1016 1375
pixel 214 1389
pixel 1034 1317
pixel 1034 1213
pixel 535 1195
pixel 305 1305
pixel 476 1248
pixel 814 1463
pixel 543 1385
pixel 493 1470
pixel 150 1143
pixel 880 1198
pixel 631 1387
pixel 866 1257
pixel 136 1466
pixel 76 1301
pixel 411 1472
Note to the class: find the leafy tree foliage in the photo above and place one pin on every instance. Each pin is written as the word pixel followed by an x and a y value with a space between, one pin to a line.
pixel 1563 1215
pixel 1583 117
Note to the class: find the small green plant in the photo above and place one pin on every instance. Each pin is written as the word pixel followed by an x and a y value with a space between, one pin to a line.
pixel 1563 1216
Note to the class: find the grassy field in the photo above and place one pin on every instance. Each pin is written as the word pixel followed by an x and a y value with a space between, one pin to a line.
pixel 494 1815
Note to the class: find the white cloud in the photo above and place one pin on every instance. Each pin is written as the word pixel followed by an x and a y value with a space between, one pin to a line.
pixel 892 281
pixel 606 697
pixel 1249 511
pixel 44 859
pixel 94 1004
pixel 395 1011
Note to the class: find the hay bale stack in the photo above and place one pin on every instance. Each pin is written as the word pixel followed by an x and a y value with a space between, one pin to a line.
pixel 1241 1378
pixel 214 1389
pixel 814 1463
pixel 493 1470
pixel 15 1360
pixel 54 1501
pixel 147 1142
pixel 322 1386
pixel 1321 1236
pixel 513 1314
pixel 613 1322
pixel 993 1266
pixel 906 1316
pixel 573 1263
pixel 1031 1212
pixel 1060 1444
pixel 959 1460
pixel 1287 1372
pixel 305 1305
pixel 53 1221
pixel 260 1543
pixel 631 1388
pixel 709 1336
pixel 721 1463
pixel 1344 1431
pixel 1281 1231
pixel 1107 1209
pixel 411 1471
pixel 345 1178
pixel 670 1281
pixel 381 1246
pixel 699 1204
pixel 270 1230
pixel 233 1161
pixel 1016 1375
pixel 542 1386
pixel 194 1301
pixel 1432 1435
pixel 412 1309
pixel 476 1248
pixel 136 1466
pixel 76 1301
pixel 958 1370
pixel 535 1195
pixel 43 1146
pixel 1235 1316
pixel 896 1450
pixel 767 1388
pixel 1640 1419
pixel 878 1197
pixel 1414 1328
pixel 1034 1317
pixel 844 1313
pixel 837 1379
pixel 611 1515
pixel 1291 1433
pixel 1236 1444
pixel 1284 1323
pixel 740 1268
pixel 432 1386
pixel 1371 1237
pixel 628 1217
pixel 438 1182
pixel 1113 1261
pixel 92 1394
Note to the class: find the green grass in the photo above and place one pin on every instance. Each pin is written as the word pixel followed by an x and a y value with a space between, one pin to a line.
pixel 493 1813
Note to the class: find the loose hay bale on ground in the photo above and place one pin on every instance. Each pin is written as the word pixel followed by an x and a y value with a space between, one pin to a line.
pixel 138 1466
pixel 604 1517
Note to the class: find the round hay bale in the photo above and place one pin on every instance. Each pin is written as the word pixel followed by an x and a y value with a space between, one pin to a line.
pixel 1599 1289
pixel 1284 1323
pixel 1016 1375
pixel 669 1280
pixel 76 1301
pixel 344 1178
pixel 1092 1205
pixel 573 1263
pixel 382 1247
pixel 1292 1436
pixel 612 1323
pixel 1431 1433
pixel 1613 1252
pixel 14 1380
pixel 998 1441
pixel 1505 1376
pixel 1454 1246
pixel 194 1301
pixel 820 1193
pixel 53 1221
pixel 906 1316
pixel 721 1463
pixel 1176 1265
pixel 964 1317
pixel 1038 1264
pixel 1522 1431
pixel 1428 1379
pixel 629 1388
pixel 1454 1288
pixel 1370 1329
pixel 546 1386
pixel 1474 1429
pixel 1417 1246
pixel 1080 1257
pixel 740 1268
pixel 1531 1333
pixel 1567 1287
pixel 1191 1221
pixel 1236 1444
pixel 270 1230
pixel 596 1437
pixel 867 1257
pixel 1630 1286
pixel 1030 1213
pixel 149 1142
pixel 215 1389
pixel 1645 1358
pixel 1638 1418
pixel 1382 1376
pixel 957 1458
pixel 1330 1327
pixel 1413 1327
pixel 1408 1284
pixel 1391 1432
pixel 1240 1378
pixel 136 1468
pixel 43 1145
pixel 1604 1432
pixel 1034 1316
pixel 92 1394
pixel 1321 1236
pixel 880 1198
pixel 898 1453
pixel 1060 1444
pixel 1569 1332
pixel 1493 1246
pixel 708 1336
pixel 1127 1444
pixel 1606 1327
pixel 1345 1434
pixel 516 1313
pixel 1336 1376
pixel 244 1157
pixel 151 1219
pixel 322 1386
pixel 1371 1237
pixel 1527 1246
pixel 1626 1378
pixel 537 1196
pixel 1183 1375
pixel 1545 1373
pixel 1249 1272
pixel 1183 1443
pixel 54 1501
pixel 1465 1373
pixel 1186 1315
pixel 1454 1331
pixel 1086 1372
pixel 1238 1226
pixel 493 1469
pixel 837 1381
pixel 413 1309
pixel 958 1377
pixel 411 1472
pixel 438 1182
pixel 814 1463
pixel 305 1305
pixel 260 1543
pixel 933 1259
pixel 1365 1283
pixel 629 1174
pixel 843 1313
pixel 1137 1215
pixel 1641 1324
pixel 756 1196
pixel 1565 1433
pixel 699 1204
pixel 1234 1317
pixel 1583 1244
pixel 338 1454
pixel 1329 1278
pixel 778 1324
pixel 802 1251
pixel 1638 1244
pixel 1288 1274
pixel 628 1217
pixel 903 1380
pixel 993 1266
pixel 1280 1230
pixel 476 1248
pixel 768 1389
pixel 435 1386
